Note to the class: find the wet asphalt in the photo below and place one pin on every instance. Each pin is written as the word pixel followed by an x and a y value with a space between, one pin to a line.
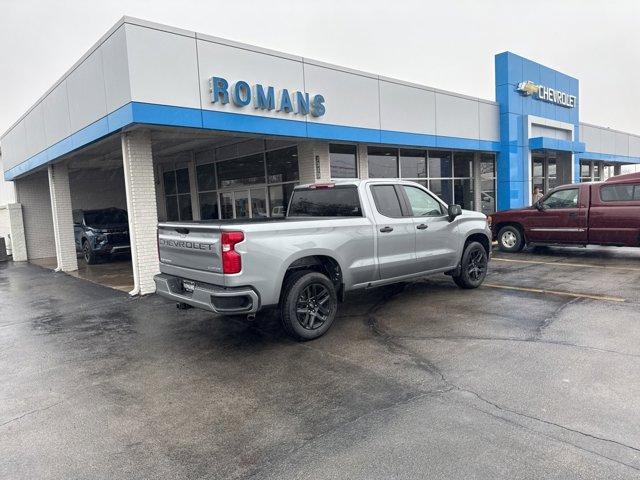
pixel 420 380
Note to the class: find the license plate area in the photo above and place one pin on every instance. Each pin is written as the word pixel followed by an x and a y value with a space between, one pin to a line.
pixel 188 286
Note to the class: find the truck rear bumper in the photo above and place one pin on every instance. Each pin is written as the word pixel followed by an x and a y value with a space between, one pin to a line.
pixel 226 301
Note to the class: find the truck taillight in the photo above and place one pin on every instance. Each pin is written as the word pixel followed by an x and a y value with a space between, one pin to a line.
pixel 231 260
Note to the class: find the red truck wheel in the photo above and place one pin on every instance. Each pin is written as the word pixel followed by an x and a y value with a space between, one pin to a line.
pixel 510 239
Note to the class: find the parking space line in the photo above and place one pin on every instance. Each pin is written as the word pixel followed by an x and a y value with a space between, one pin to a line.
pixel 555 292
pixel 565 264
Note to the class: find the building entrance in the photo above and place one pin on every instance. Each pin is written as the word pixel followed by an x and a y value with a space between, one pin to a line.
pixel 550 169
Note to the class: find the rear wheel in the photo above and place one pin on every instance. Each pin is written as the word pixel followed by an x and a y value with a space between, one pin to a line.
pixel 87 252
pixel 473 266
pixel 510 239
pixel 309 305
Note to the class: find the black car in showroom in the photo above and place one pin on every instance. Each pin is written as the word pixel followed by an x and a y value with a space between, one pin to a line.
pixel 101 233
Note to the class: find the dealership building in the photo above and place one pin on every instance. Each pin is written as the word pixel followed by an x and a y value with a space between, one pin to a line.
pixel 171 124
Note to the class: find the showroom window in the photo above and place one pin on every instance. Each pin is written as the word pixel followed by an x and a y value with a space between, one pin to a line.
pixel 487 183
pixel 257 184
pixel 463 179
pixel 282 175
pixel 343 161
pixel 585 171
pixel 383 162
pixel 594 171
pixel 413 163
pixel 207 192
pixel 177 191
pixel 448 174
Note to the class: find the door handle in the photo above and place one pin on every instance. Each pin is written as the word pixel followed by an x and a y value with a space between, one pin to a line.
pixel 573 214
pixel 422 226
pixel 386 229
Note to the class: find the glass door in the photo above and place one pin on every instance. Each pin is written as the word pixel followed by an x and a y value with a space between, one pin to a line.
pixel 226 205
pixel 241 204
pixel 244 203
pixel 259 202
pixel 552 173
pixel 537 173
pixel 549 169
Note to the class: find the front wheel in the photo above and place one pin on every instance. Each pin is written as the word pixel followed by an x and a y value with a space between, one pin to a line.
pixel 473 266
pixel 510 239
pixel 309 305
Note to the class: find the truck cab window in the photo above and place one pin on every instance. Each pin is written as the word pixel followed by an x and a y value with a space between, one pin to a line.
pixel 422 204
pixel 386 200
pixel 562 199
pixel 325 202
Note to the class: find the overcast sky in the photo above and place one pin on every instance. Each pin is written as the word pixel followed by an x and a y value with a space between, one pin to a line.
pixel 444 44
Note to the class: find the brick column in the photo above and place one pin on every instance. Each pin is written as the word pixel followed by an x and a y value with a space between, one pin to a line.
pixel 16 229
pixel 62 218
pixel 363 161
pixel 313 161
pixel 137 160
pixel 32 193
pixel 477 183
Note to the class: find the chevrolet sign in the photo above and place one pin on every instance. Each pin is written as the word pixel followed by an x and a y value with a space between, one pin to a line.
pixel 546 94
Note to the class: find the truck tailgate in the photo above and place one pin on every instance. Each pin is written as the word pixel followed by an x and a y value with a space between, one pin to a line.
pixel 192 246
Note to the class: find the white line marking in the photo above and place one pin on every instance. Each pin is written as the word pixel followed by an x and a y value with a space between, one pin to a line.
pixel 554 292
pixel 565 264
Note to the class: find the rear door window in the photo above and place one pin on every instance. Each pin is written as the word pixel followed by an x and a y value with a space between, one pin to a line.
pixel 386 200
pixel 339 201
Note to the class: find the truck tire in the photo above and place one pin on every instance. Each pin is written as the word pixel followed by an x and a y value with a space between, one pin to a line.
pixel 88 254
pixel 510 239
pixel 309 304
pixel 473 266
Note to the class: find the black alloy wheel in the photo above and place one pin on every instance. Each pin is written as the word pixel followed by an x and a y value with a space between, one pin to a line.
pixel 477 267
pixel 313 306
pixel 308 304
pixel 473 266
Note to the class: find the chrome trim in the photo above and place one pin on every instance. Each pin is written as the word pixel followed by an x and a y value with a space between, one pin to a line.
pixel 559 229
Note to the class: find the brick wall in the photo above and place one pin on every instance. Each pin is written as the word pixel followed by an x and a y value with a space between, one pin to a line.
pixel 363 161
pixel 141 207
pixel 5 227
pixel 62 217
pixel 307 153
pixel 33 193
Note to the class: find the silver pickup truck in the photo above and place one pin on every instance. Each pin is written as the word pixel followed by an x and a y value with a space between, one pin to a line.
pixel 336 237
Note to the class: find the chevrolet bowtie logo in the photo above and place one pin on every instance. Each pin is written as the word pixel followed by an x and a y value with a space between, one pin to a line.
pixel 546 94
pixel 527 88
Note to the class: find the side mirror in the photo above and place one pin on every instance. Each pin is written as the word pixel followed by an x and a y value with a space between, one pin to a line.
pixel 539 206
pixel 454 211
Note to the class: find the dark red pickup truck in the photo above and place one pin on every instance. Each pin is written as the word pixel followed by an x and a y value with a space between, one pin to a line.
pixel 599 213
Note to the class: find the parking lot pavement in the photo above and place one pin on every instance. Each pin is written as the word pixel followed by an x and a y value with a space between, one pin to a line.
pixel 534 375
